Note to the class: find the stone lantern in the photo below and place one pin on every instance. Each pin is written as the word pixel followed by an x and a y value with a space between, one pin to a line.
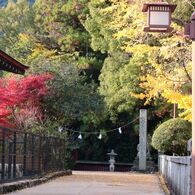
pixel 112 155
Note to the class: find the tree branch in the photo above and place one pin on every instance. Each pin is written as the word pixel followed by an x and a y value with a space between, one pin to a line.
pixel 183 65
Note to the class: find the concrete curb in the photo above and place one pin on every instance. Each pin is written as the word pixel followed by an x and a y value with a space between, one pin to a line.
pixel 164 185
pixel 18 185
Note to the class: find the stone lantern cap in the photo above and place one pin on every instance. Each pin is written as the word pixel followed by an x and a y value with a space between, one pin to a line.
pixel 112 153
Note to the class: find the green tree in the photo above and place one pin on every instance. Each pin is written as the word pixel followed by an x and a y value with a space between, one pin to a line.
pixel 117 27
pixel 74 100
pixel 49 37
pixel 172 136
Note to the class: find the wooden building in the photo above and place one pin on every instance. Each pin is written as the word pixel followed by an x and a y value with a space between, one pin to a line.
pixel 9 64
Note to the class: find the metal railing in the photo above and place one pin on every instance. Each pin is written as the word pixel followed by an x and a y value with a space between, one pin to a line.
pixel 27 154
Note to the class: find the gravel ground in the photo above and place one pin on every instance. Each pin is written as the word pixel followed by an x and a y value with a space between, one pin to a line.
pixel 99 183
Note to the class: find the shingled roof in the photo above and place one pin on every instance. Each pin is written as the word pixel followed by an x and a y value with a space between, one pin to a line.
pixel 9 64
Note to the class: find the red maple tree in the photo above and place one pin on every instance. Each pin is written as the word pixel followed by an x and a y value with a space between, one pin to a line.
pixel 20 99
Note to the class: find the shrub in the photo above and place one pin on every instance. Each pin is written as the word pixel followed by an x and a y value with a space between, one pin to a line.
pixel 172 136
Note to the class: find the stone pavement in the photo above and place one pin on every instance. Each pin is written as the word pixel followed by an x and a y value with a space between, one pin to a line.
pixel 98 183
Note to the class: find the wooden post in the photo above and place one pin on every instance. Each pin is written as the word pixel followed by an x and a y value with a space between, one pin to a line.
pixel 64 152
pixel 14 156
pixel 193 117
pixel 32 154
pixel 9 160
pixel 3 157
pixel 24 154
pixel 40 154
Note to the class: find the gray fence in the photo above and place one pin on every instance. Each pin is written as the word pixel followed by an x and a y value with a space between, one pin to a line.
pixel 177 172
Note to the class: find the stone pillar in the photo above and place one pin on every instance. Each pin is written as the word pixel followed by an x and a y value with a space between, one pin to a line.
pixel 142 139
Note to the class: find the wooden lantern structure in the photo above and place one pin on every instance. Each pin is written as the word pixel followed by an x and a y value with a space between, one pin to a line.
pixel 9 64
pixel 159 16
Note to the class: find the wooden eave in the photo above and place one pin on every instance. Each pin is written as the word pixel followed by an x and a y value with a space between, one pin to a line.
pixel 9 64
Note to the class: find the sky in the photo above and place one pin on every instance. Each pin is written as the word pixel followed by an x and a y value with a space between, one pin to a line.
pixel 4 2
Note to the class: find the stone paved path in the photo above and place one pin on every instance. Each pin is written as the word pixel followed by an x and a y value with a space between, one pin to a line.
pixel 98 183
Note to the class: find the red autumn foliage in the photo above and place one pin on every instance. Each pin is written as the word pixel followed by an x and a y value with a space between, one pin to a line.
pixel 20 99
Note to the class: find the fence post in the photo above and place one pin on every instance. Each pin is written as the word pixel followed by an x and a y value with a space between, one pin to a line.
pixel 44 152
pixel 189 176
pixel 64 152
pixel 47 159
pixel 24 153
pixel 3 157
pixel 61 153
pixel 159 163
pixel 14 156
pixel 9 160
pixel 54 153
pixel 32 154
pixel 40 153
